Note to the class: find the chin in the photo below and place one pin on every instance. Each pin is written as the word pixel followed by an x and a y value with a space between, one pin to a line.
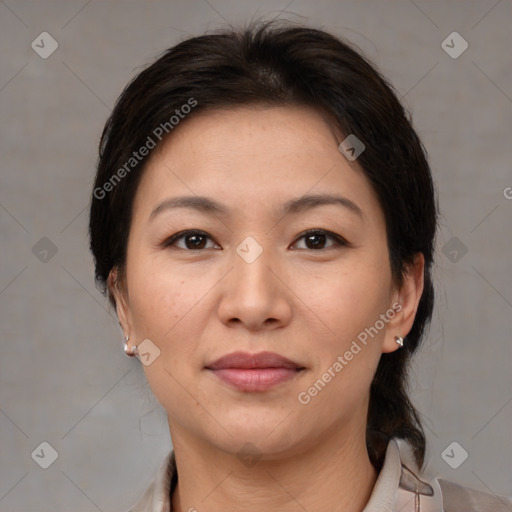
pixel 258 445
pixel 266 434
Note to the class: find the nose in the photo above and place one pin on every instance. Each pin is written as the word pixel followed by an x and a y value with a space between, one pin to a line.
pixel 255 295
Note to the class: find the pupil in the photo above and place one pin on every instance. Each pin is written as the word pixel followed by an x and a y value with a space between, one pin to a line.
pixel 197 241
pixel 317 243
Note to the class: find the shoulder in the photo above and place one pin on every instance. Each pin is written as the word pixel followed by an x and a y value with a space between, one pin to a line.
pixel 464 499
pixel 438 494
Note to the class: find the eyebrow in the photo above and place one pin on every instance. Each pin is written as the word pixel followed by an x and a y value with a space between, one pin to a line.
pixel 293 206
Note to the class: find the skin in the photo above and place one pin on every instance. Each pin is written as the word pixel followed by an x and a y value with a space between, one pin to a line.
pixel 305 303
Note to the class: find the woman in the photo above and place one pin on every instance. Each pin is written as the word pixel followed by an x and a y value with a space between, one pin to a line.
pixel 263 221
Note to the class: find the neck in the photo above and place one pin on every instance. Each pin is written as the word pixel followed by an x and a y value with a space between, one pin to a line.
pixel 335 474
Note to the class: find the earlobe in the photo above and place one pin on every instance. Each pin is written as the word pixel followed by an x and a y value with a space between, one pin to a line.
pixel 400 341
pixel 408 296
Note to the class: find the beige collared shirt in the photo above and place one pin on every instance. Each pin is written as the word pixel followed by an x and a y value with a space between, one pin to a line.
pixel 397 489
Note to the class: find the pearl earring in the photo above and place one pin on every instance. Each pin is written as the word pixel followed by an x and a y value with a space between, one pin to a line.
pixel 127 350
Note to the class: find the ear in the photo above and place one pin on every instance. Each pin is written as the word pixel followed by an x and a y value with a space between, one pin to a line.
pixel 117 288
pixel 405 303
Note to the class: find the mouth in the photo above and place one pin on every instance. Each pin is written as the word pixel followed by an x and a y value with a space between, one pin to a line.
pixel 254 372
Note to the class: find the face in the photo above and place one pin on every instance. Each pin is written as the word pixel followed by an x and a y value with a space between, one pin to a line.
pixel 286 253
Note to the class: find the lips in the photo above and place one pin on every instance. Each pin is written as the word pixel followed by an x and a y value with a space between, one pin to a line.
pixel 254 372
pixel 243 360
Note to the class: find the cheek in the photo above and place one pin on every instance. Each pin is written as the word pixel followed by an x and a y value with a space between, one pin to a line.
pixel 349 298
pixel 349 305
pixel 167 305
pixel 156 302
pixel 156 299
pixel 349 302
pixel 165 308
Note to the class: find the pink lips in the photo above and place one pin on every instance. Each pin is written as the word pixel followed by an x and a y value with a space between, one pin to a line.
pixel 254 372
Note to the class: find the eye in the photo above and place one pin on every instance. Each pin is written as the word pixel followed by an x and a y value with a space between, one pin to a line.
pixel 192 240
pixel 316 239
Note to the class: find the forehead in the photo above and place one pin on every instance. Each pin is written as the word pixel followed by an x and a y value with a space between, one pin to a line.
pixel 259 131
pixel 250 155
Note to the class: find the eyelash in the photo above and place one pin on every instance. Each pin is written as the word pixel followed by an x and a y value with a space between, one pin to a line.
pixel 338 240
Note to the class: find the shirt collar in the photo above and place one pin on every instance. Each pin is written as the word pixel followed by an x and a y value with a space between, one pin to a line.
pixel 398 487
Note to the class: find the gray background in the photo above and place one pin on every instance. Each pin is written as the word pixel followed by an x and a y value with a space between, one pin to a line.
pixel 63 376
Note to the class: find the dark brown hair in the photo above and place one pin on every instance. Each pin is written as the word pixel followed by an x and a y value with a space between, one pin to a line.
pixel 281 64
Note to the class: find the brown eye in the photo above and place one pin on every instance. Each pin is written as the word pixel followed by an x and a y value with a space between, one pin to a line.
pixel 195 241
pixel 189 240
pixel 318 238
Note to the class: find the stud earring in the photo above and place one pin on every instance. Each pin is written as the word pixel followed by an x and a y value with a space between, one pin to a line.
pixel 129 351
pixel 399 340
